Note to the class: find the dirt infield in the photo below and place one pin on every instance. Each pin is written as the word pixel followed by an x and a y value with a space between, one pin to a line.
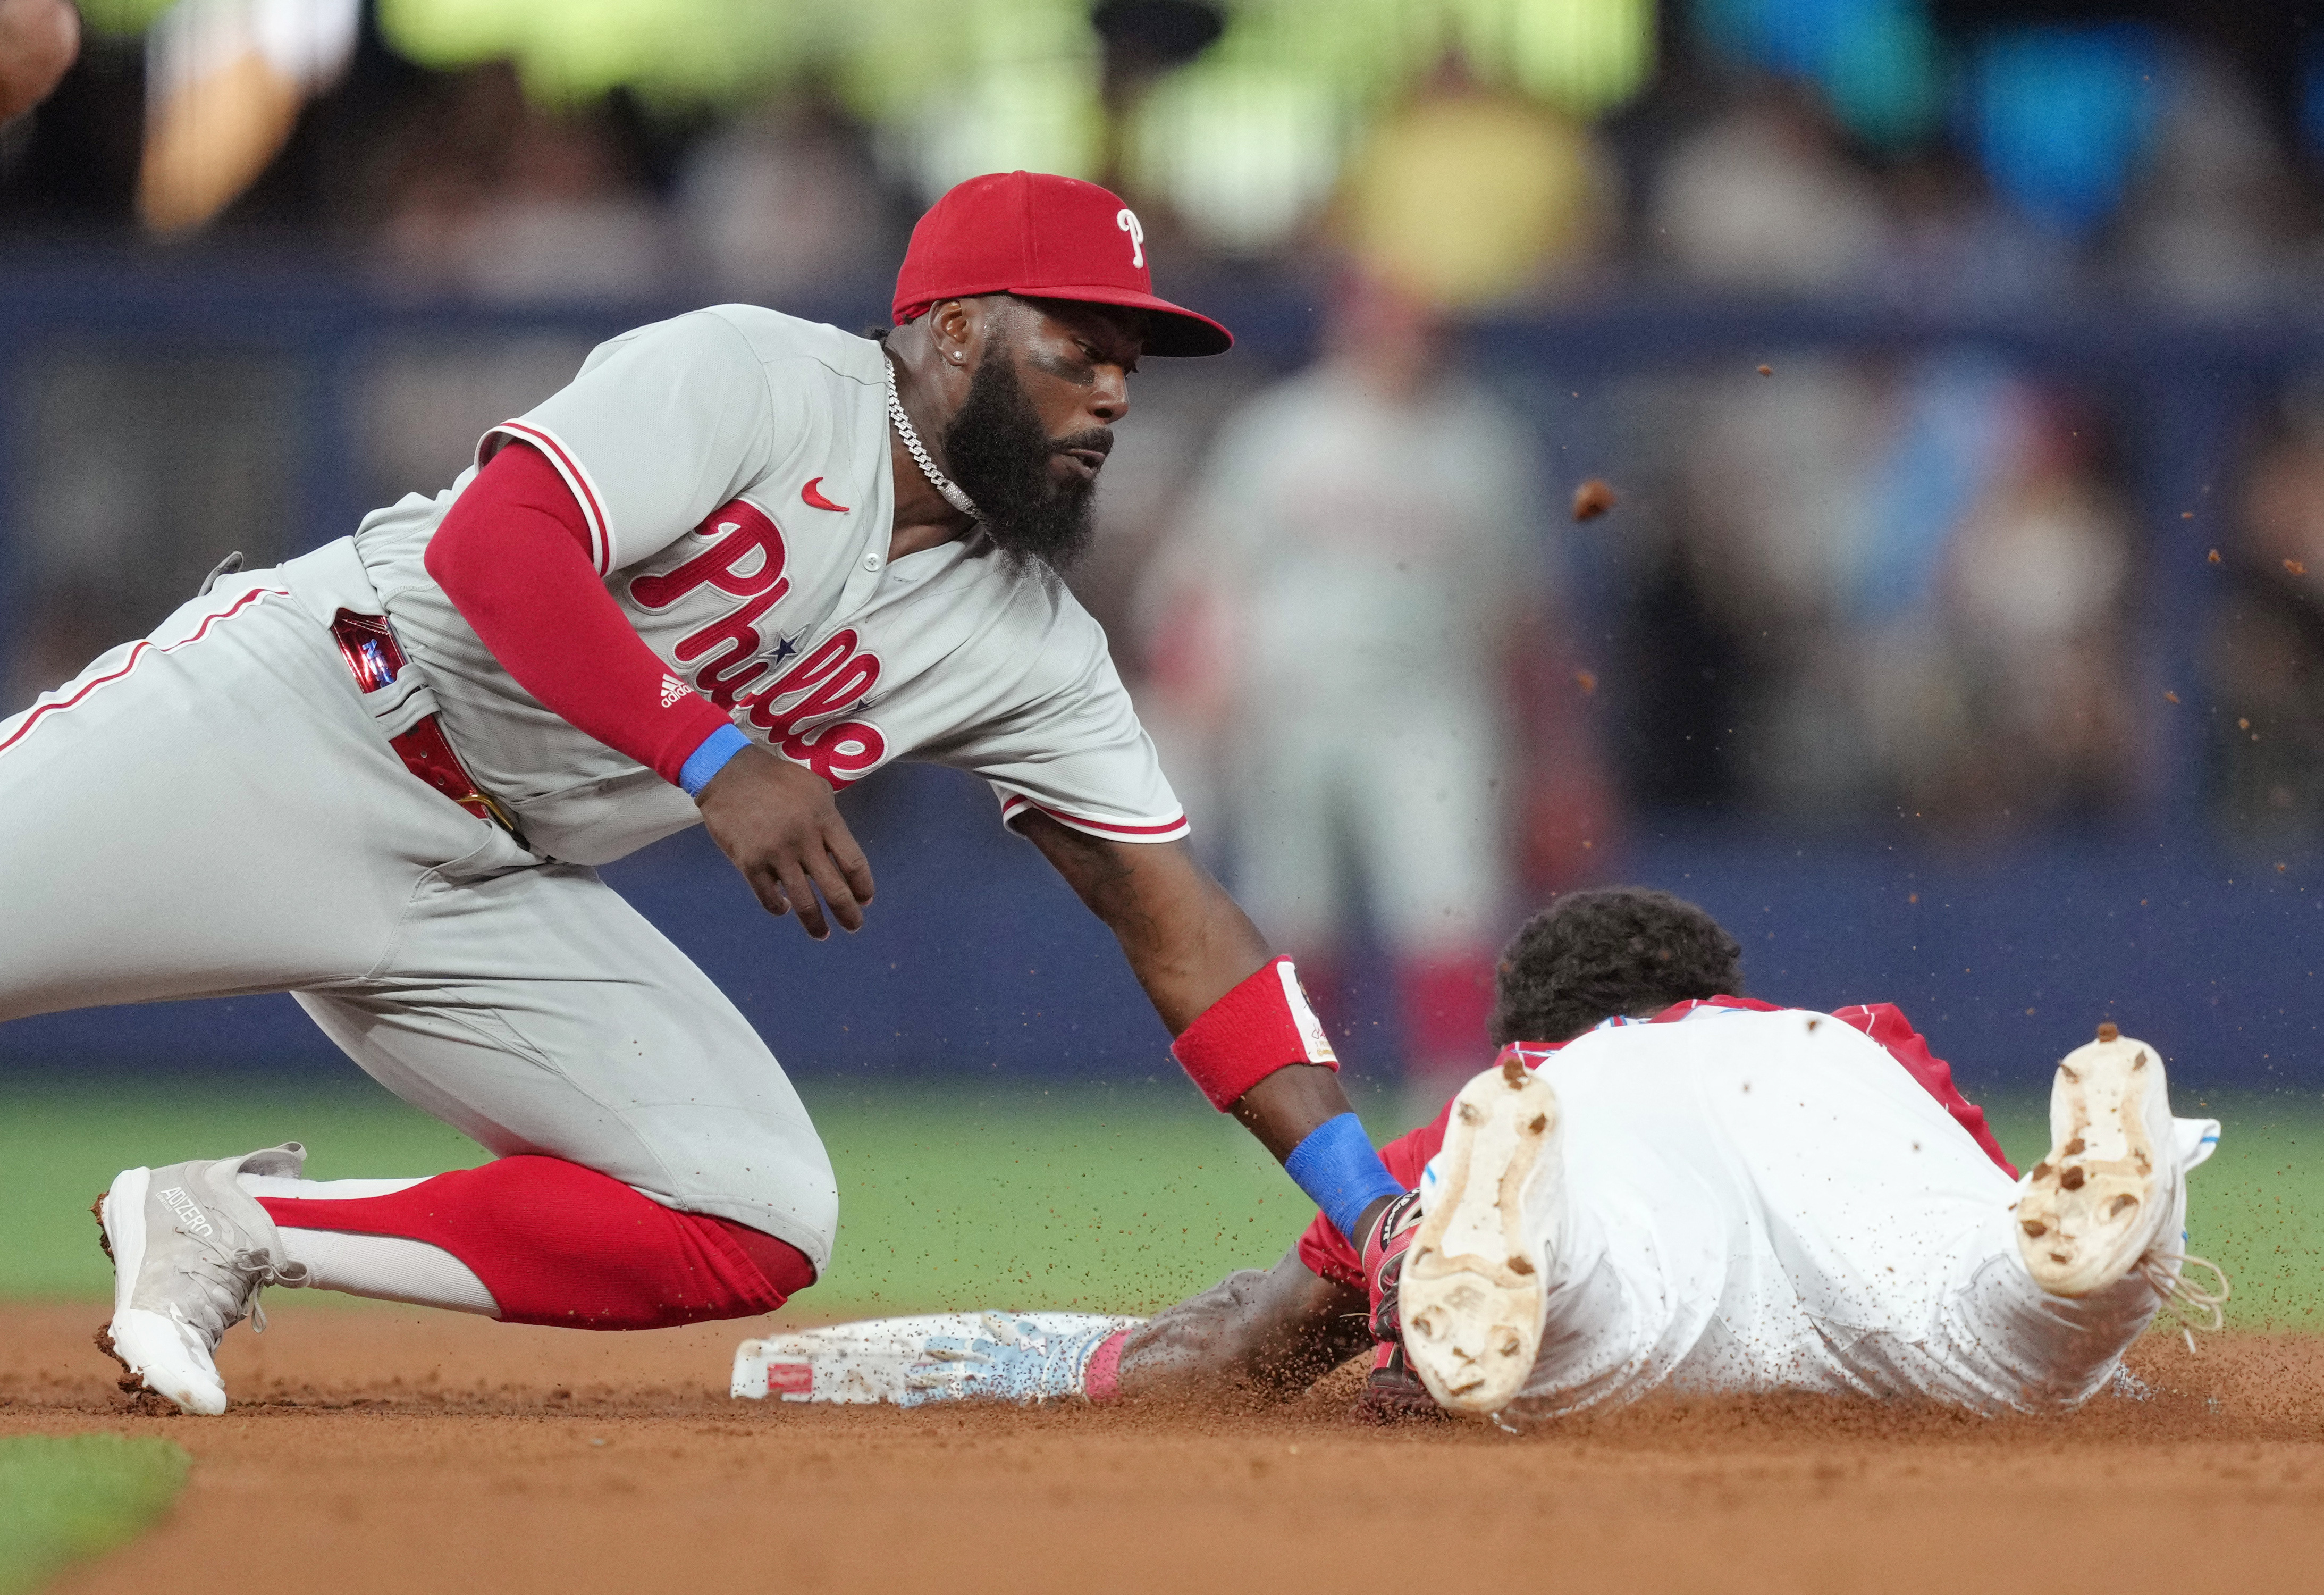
pixel 388 1450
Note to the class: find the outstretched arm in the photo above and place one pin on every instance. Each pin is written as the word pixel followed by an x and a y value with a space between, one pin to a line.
pixel 1189 944
pixel 1267 1334
pixel 1272 1333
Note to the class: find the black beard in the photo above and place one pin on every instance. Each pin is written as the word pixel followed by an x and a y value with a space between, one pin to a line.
pixel 999 453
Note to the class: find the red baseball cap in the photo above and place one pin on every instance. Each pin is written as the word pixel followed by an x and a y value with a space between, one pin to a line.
pixel 1045 237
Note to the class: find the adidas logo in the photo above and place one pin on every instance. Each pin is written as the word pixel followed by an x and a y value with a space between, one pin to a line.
pixel 188 1212
pixel 672 689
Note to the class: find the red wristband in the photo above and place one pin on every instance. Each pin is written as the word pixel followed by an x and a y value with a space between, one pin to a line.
pixel 1102 1380
pixel 1262 1025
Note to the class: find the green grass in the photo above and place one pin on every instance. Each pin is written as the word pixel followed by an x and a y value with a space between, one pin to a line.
pixel 1122 1198
pixel 65 1497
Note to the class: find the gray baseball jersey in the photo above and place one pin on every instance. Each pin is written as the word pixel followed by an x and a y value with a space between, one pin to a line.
pixel 218 807
pixel 733 466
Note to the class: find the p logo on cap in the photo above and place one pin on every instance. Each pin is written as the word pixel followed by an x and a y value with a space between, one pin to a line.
pixel 1044 238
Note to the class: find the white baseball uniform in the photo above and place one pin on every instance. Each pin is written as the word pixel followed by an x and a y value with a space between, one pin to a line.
pixel 219 809
pixel 1765 1200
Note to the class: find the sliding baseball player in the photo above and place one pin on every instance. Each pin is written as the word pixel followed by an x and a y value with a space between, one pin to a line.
pixel 1673 1187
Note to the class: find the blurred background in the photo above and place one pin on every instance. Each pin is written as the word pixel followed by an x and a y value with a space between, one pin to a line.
pixel 1949 374
pixel 1955 634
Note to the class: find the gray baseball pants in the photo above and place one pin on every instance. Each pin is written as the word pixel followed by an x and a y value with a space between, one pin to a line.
pixel 214 811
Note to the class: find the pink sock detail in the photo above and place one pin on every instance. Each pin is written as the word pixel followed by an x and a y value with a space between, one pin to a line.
pixel 558 1243
pixel 1102 1380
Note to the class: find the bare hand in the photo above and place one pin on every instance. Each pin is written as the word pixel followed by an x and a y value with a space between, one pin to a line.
pixel 777 822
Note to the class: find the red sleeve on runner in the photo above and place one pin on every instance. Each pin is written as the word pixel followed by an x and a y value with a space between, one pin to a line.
pixel 1885 1023
pixel 513 554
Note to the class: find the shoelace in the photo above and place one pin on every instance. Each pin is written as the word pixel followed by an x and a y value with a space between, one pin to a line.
pixel 289 1276
pixel 229 1285
pixel 2190 1305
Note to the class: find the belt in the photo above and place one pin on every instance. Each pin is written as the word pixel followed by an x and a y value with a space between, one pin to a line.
pixel 368 644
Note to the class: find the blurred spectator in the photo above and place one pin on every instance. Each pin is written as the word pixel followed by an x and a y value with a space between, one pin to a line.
pixel 2216 217
pixel 2267 649
pixel 569 218
pixel 144 469
pixel 437 172
pixel 39 40
pixel 1341 612
pixel 495 198
pixel 1999 702
pixel 225 81
pixel 1952 241
pixel 1763 197
pixel 1466 195
pixel 785 202
pixel 1882 592
pixel 1773 496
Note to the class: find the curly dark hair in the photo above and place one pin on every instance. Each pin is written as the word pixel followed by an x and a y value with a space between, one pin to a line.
pixel 1617 950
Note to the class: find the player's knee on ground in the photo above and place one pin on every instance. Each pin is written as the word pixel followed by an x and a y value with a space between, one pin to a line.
pixel 785 1269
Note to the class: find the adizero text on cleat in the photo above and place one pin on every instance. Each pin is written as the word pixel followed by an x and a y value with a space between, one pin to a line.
pixel 190 1252
pixel 1472 1285
pixel 2100 1200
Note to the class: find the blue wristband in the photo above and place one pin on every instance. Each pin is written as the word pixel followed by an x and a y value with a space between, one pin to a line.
pixel 710 758
pixel 1337 1166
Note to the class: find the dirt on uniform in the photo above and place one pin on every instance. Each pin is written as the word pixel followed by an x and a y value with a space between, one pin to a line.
pixel 383 1449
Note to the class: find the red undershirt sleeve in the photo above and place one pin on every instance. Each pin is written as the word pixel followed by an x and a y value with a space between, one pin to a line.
pixel 513 554
pixel 1885 1023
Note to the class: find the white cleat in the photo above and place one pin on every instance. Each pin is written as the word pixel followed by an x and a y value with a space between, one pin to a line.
pixel 1472 1295
pixel 2111 1197
pixel 190 1252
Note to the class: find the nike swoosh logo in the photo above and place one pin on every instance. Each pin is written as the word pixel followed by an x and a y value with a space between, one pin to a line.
pixel 816 501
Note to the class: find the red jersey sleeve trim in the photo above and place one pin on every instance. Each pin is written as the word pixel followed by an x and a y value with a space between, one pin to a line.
pixel 1885 1023
pixel 1679 1011
pixel 576 479
pixel 1014 806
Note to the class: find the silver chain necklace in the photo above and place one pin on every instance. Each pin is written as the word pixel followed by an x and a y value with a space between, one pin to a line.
pixel 943 484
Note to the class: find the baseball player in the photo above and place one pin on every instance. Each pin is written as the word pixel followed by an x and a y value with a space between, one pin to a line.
pixel 1358 570
pixel 740 563
pixel 1680 1188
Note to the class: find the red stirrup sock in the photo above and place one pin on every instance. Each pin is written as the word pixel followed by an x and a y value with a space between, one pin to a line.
pixel 558 1243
